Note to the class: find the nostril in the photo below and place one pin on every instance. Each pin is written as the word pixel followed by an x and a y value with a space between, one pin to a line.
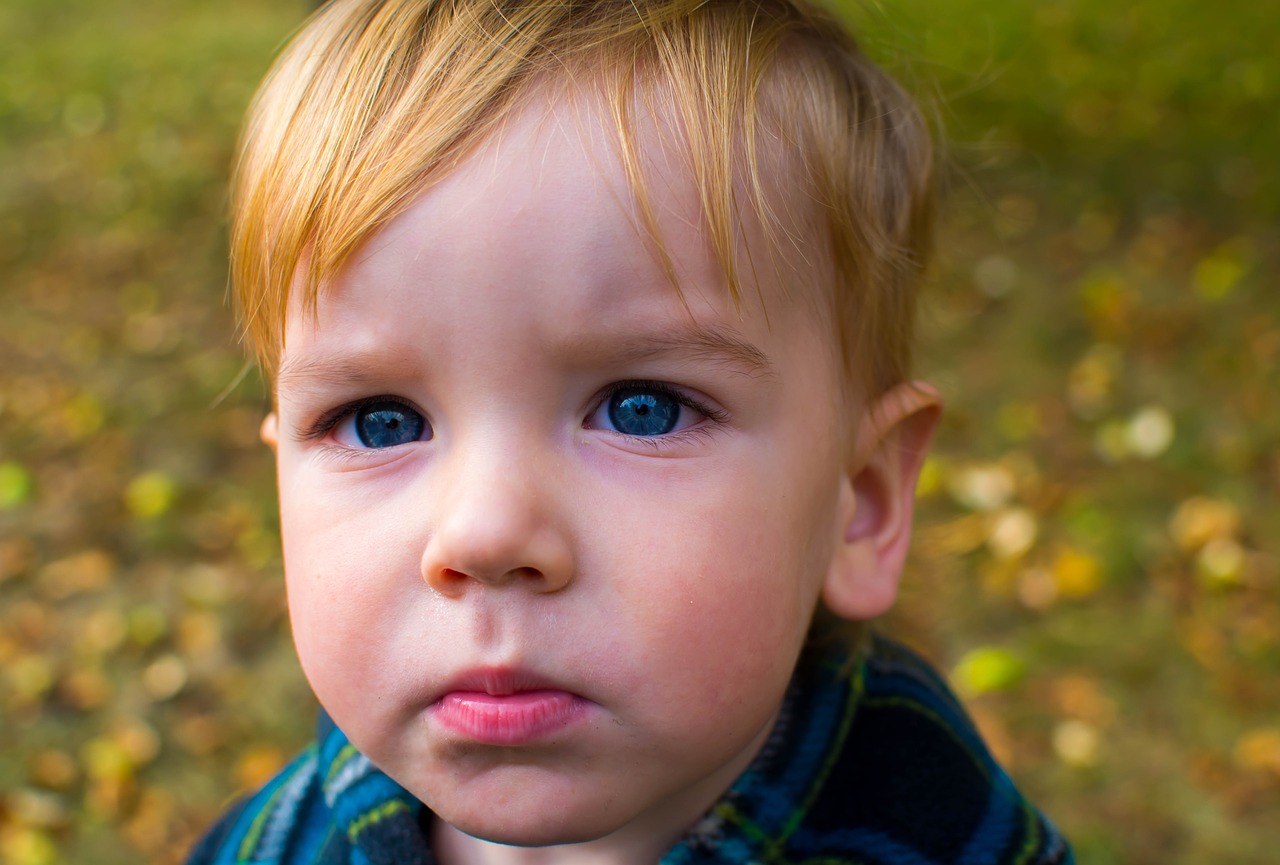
pixel 447 581
pixel 531 556
pixel 452 580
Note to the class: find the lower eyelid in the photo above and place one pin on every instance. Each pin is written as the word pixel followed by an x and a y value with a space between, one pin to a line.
pixel 340 458
pixel 679 443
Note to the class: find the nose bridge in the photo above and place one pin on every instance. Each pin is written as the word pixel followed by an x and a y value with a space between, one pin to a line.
pixel 496 519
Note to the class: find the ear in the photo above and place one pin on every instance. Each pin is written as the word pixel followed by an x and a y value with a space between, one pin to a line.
pixel 270 431
pixel 877 499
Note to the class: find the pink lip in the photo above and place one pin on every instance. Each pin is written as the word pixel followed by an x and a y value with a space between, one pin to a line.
pixel 504 707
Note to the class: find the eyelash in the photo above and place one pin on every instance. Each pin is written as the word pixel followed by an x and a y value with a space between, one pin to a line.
pixel 658 443
pixel 326 422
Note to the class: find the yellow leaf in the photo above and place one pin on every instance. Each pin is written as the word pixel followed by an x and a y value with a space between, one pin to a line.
pixel 1036 588
pixel 1219 272
pixel 1019 421
pixel 28 847
pixel 147 624
pixel 86 689
pixel 1013 533
pixel 1092 379
pixel 987 669
pixel 30 677
pixel 54 769
pixel 930 480
pixel 1221 562
pixel 1259 751
pixel 1200 519
pixel 87 571
pixel 983 487
pixel 150 495
pixel 1150 431
pixel 105 759
pixel 1076 743
pixel 15 485
pixel 83 416
pixel 138 740
pixel 257 765
pixel 37 808
pixel 165 677
pixel 1076 573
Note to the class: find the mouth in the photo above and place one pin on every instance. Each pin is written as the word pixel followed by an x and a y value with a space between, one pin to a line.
pixel 506 707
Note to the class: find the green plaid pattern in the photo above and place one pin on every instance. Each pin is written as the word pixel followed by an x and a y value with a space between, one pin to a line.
pixel 873 763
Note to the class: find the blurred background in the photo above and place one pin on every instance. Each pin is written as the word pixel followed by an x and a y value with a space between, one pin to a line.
pixel 1098 550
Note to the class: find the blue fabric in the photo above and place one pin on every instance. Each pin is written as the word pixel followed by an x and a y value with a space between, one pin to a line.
pixel 873 763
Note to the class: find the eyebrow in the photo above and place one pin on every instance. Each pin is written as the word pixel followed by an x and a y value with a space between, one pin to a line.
pixel 335 369
pixel 713 343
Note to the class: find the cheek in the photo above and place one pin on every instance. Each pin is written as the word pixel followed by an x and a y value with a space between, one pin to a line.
pixel 348 544
pixel 725 589
pixel 345 593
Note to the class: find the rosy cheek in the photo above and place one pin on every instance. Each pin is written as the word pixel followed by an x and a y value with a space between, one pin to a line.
pixel 719 629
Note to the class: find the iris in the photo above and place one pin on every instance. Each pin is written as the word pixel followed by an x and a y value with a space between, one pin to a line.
pixel 643 412
pixel 387 424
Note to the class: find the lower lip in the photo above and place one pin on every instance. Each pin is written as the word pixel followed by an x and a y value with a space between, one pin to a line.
pixel 508 719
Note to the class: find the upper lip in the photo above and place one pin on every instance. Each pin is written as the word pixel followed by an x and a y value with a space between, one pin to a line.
pixel 499 681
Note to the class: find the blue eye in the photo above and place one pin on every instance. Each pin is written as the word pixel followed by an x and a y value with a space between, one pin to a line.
pixel 386 423
pixel 641 411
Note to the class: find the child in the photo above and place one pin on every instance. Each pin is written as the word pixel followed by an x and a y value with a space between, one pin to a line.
pixel 588 323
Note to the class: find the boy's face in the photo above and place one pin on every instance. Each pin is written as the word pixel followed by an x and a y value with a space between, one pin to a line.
pixel 553 538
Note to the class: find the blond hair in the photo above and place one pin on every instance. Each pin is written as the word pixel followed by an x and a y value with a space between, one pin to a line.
pixel 373 99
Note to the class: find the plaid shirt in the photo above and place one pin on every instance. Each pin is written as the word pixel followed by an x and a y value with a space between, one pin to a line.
pixel 874 765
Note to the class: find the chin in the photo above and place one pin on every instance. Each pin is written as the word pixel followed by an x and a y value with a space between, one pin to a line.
pixel 545 825
pixel 524 804
pixel 530 814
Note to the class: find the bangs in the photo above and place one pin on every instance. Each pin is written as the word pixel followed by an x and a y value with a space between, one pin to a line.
pixel 375 100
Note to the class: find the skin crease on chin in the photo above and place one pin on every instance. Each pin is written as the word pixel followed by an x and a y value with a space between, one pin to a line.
pixel 667 581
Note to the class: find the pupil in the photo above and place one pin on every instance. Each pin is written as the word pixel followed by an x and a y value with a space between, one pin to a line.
pixel 386 424
pixel 642 412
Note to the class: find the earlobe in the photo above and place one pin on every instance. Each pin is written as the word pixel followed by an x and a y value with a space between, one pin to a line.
pixel 877 500
pixel 270 431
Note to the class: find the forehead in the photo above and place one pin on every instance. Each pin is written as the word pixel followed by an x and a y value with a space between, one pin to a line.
pixel 563 167
pixel 528 267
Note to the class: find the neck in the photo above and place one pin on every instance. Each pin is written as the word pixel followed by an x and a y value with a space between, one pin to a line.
pixel 454 847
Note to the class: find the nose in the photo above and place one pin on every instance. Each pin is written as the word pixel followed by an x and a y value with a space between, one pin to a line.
pixel 496 523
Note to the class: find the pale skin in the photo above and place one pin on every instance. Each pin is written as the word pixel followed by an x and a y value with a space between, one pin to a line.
pixel 664 579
